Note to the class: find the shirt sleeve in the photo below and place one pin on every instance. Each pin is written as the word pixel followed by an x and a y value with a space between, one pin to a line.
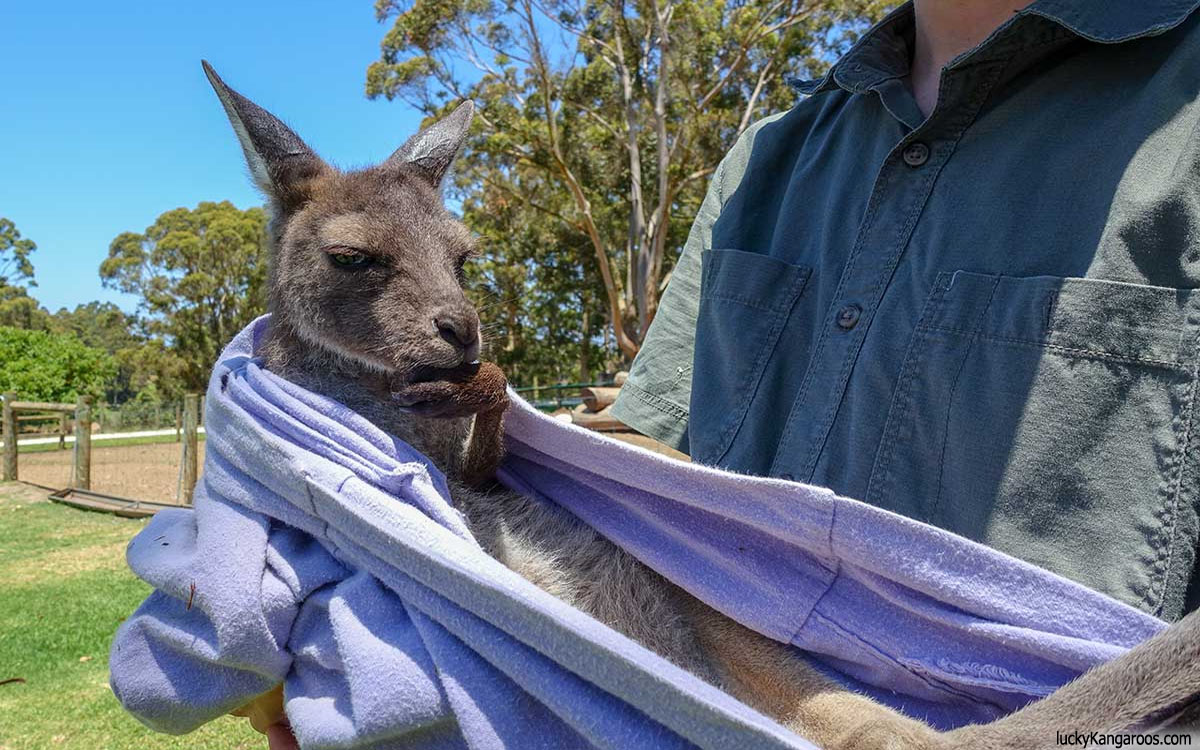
pixel 654 400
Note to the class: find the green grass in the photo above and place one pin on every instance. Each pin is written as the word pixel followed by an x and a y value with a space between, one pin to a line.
pixel 64 589
pixel 47 447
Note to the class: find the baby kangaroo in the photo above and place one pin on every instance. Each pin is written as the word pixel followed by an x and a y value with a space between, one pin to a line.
pixel 368 308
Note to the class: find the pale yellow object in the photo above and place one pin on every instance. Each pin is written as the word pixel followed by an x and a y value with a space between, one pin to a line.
pixel 265 710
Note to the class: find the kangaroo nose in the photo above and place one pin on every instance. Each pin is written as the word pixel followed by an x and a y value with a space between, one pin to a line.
pixel 460 330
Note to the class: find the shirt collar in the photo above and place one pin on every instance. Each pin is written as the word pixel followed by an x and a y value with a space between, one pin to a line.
pixel 882 52
pixel 1112 21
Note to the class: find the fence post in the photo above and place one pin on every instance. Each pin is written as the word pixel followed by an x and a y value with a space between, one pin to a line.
pixel 191 419
pixel 62 430
pixel 179 422
pixel 83 443
pixel 10 438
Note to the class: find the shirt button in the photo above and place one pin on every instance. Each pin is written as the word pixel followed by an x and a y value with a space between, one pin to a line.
pixel 916 154
pixel 848 317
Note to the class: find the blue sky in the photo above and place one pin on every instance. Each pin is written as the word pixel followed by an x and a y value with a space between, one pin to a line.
pixel 108 120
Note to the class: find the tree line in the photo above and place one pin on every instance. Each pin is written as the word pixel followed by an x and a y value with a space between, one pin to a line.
pixel 199 275
pixel 600 124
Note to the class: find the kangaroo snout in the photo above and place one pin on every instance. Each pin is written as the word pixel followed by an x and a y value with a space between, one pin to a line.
pixel 459 327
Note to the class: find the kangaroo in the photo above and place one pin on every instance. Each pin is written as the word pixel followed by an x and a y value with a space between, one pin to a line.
pixel 365 290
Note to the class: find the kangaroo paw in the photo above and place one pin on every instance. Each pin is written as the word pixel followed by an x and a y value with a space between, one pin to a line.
pixel 461 392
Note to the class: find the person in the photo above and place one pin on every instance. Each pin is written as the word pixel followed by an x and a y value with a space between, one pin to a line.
pixel 956 281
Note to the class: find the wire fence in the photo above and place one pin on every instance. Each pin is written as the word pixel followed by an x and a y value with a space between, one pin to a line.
pixel 133 416
pixel 136 451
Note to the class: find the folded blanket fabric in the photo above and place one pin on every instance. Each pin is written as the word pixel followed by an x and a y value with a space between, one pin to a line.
pixel 324 554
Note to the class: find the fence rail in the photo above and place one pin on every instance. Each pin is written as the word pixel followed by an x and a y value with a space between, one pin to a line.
pixel 42 406
pixel 558 398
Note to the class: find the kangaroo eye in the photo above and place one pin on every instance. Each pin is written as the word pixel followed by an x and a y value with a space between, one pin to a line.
pixel 349 259
pixel 460 264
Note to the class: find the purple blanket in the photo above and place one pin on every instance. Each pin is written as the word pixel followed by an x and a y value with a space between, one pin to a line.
pixel 324 554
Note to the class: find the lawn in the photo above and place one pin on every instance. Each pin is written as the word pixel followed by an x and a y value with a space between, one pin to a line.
pixel 64 589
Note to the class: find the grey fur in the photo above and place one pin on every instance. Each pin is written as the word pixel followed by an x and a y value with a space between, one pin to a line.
pixel 436 147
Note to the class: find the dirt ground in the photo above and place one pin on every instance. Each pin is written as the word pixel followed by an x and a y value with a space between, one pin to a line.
pixel 140 472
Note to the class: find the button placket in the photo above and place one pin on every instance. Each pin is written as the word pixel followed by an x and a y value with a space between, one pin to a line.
pixel 900 191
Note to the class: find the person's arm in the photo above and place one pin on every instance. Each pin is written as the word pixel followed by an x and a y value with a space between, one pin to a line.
pixel 265 714
pixel 264 711
pixel 654 400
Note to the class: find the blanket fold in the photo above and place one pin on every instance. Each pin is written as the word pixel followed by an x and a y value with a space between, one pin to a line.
pixel 327 555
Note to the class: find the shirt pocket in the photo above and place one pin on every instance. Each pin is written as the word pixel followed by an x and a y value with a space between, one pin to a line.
pixel 745 299
pixel 1048 418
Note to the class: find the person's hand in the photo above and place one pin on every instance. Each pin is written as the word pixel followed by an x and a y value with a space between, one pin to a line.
pixel 266 716
pixel 280 737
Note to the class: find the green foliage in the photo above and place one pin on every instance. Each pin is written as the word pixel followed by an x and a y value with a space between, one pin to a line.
pixel 15 265
pixel 145 365
pixel 600 125
pixel 19 310
pixel 100 325
pixel 44 366
pixel 201 276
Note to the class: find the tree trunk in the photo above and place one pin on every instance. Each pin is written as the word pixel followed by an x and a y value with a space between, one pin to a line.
pixel 585 345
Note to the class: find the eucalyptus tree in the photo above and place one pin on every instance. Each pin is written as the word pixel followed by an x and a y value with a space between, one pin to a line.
pixel 601 122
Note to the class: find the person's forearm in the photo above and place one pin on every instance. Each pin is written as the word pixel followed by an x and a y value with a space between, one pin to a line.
pixel 265 710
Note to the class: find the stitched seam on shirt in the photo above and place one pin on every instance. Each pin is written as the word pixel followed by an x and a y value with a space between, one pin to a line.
pixel 720 178
pixel 876 294
pixel 781 316
pixel 655 402
pixel 1089 353
pixel 1161 25
pixel 935 510
pixel 1166 555
pixel 901 403
pixel 868 220
pixel 747 301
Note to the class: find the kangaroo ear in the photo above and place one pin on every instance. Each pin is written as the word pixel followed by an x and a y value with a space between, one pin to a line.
pixel 435 148
pixel 281 164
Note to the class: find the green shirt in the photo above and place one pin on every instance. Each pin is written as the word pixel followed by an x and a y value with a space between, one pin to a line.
pixel 984 319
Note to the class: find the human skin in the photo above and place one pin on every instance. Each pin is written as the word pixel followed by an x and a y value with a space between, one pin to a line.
pixel 944 30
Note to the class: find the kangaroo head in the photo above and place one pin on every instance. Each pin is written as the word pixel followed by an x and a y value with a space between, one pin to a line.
pixel 365 264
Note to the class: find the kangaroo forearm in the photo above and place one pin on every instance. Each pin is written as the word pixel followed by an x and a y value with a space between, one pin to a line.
pixel 485 449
